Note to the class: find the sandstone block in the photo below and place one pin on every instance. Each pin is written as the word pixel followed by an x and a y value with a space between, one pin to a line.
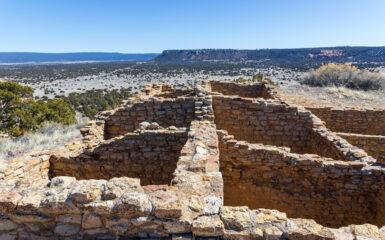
pixel 166 205
pixel 7 225
pixel 86 191
pixel 115 187
pixel 65 229
pixel 208 226
pixel 91 221
pixel 235 217
pixel 67 218
pixel 132 204
pixel 8 201
pixel 117 225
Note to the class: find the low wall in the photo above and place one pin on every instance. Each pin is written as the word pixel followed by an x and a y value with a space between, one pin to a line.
pixel 148 155
pixel 333 193
pixel 263 122
pixel 177 112
pixel 374 145
pixel 361 121
pixel 32 206
pixel 33 165
pixel 275 123
pixel 254 90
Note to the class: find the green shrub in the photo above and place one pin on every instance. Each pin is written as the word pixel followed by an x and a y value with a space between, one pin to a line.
pixel 20 113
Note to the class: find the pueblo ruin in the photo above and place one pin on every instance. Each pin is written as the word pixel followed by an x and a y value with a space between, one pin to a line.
pixel 220 161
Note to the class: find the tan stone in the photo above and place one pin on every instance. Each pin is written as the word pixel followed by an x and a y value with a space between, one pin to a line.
pixel 7 225
pixel 8 201
pixel 166 205
pixel 67 218
pixel 235 217
pixel 65 229
pixel 132 205
pixel 86 191
pixel 208 226
pixel 366 230
pixel 91 221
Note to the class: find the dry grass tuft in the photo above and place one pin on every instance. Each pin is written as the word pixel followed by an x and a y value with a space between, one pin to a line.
pixel 51 136
pixel 344 75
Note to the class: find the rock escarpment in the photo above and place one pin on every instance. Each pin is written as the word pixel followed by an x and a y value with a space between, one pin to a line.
pixel 217 161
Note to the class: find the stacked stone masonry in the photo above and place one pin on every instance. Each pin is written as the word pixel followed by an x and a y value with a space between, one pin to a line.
pixel 193 164
pixel 364 128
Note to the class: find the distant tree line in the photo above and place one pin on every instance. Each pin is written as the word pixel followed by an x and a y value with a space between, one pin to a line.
pixel 92 102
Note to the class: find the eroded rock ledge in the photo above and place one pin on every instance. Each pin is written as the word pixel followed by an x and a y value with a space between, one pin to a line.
pixel 223 160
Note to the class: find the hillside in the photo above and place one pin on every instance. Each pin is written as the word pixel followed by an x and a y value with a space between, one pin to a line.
pixel 31 57
pixel 277 56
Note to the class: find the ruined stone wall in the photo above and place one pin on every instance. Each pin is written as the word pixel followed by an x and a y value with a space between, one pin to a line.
pixel 148 155
pixel 333 193
pixel 374 145
pixel 270 123
pixel 34 206
pixel 361 121
pixel 64 207
pixel 177 112
pixel 264 122
pixel 33 165
pixel 254 90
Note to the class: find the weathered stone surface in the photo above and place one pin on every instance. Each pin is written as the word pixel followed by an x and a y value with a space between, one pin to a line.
pixel 68 218
pixel 62 182
pixel 30 202
pixel 7 225
pixel 273 233
pixel 115 187
pixel 212 205
pixel 65 229
pixel 235 217
pixel 91 221
pixel 166 205
pixel 86 191
pixel 96 231
pixel 117 225
pixel 132 205
pixel 365 230
pixel 8 201
pixel 56 204
pixel 208 226
pixel 306 229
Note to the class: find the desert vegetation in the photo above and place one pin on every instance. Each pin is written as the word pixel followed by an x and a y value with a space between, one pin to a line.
pixel 50 136
pixel 344 75
pixel 21 113
pixel 91 102
pixel 256 78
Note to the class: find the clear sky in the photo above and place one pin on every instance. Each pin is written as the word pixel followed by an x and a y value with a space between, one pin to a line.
pixel 145 26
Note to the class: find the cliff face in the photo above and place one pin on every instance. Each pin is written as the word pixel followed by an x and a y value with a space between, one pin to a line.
pixel 292 56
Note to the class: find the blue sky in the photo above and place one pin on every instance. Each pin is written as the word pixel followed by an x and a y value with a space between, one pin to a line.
pixel 144 26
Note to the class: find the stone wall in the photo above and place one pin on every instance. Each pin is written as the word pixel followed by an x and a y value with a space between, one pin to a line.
pixel 149 155
pixel 361 121
pixel 264 122
pixel 276 123
pixel 191 205
pixel 374 145
pixel 33 165
pixel 252 90
pixel 177 112
pixel 333 193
